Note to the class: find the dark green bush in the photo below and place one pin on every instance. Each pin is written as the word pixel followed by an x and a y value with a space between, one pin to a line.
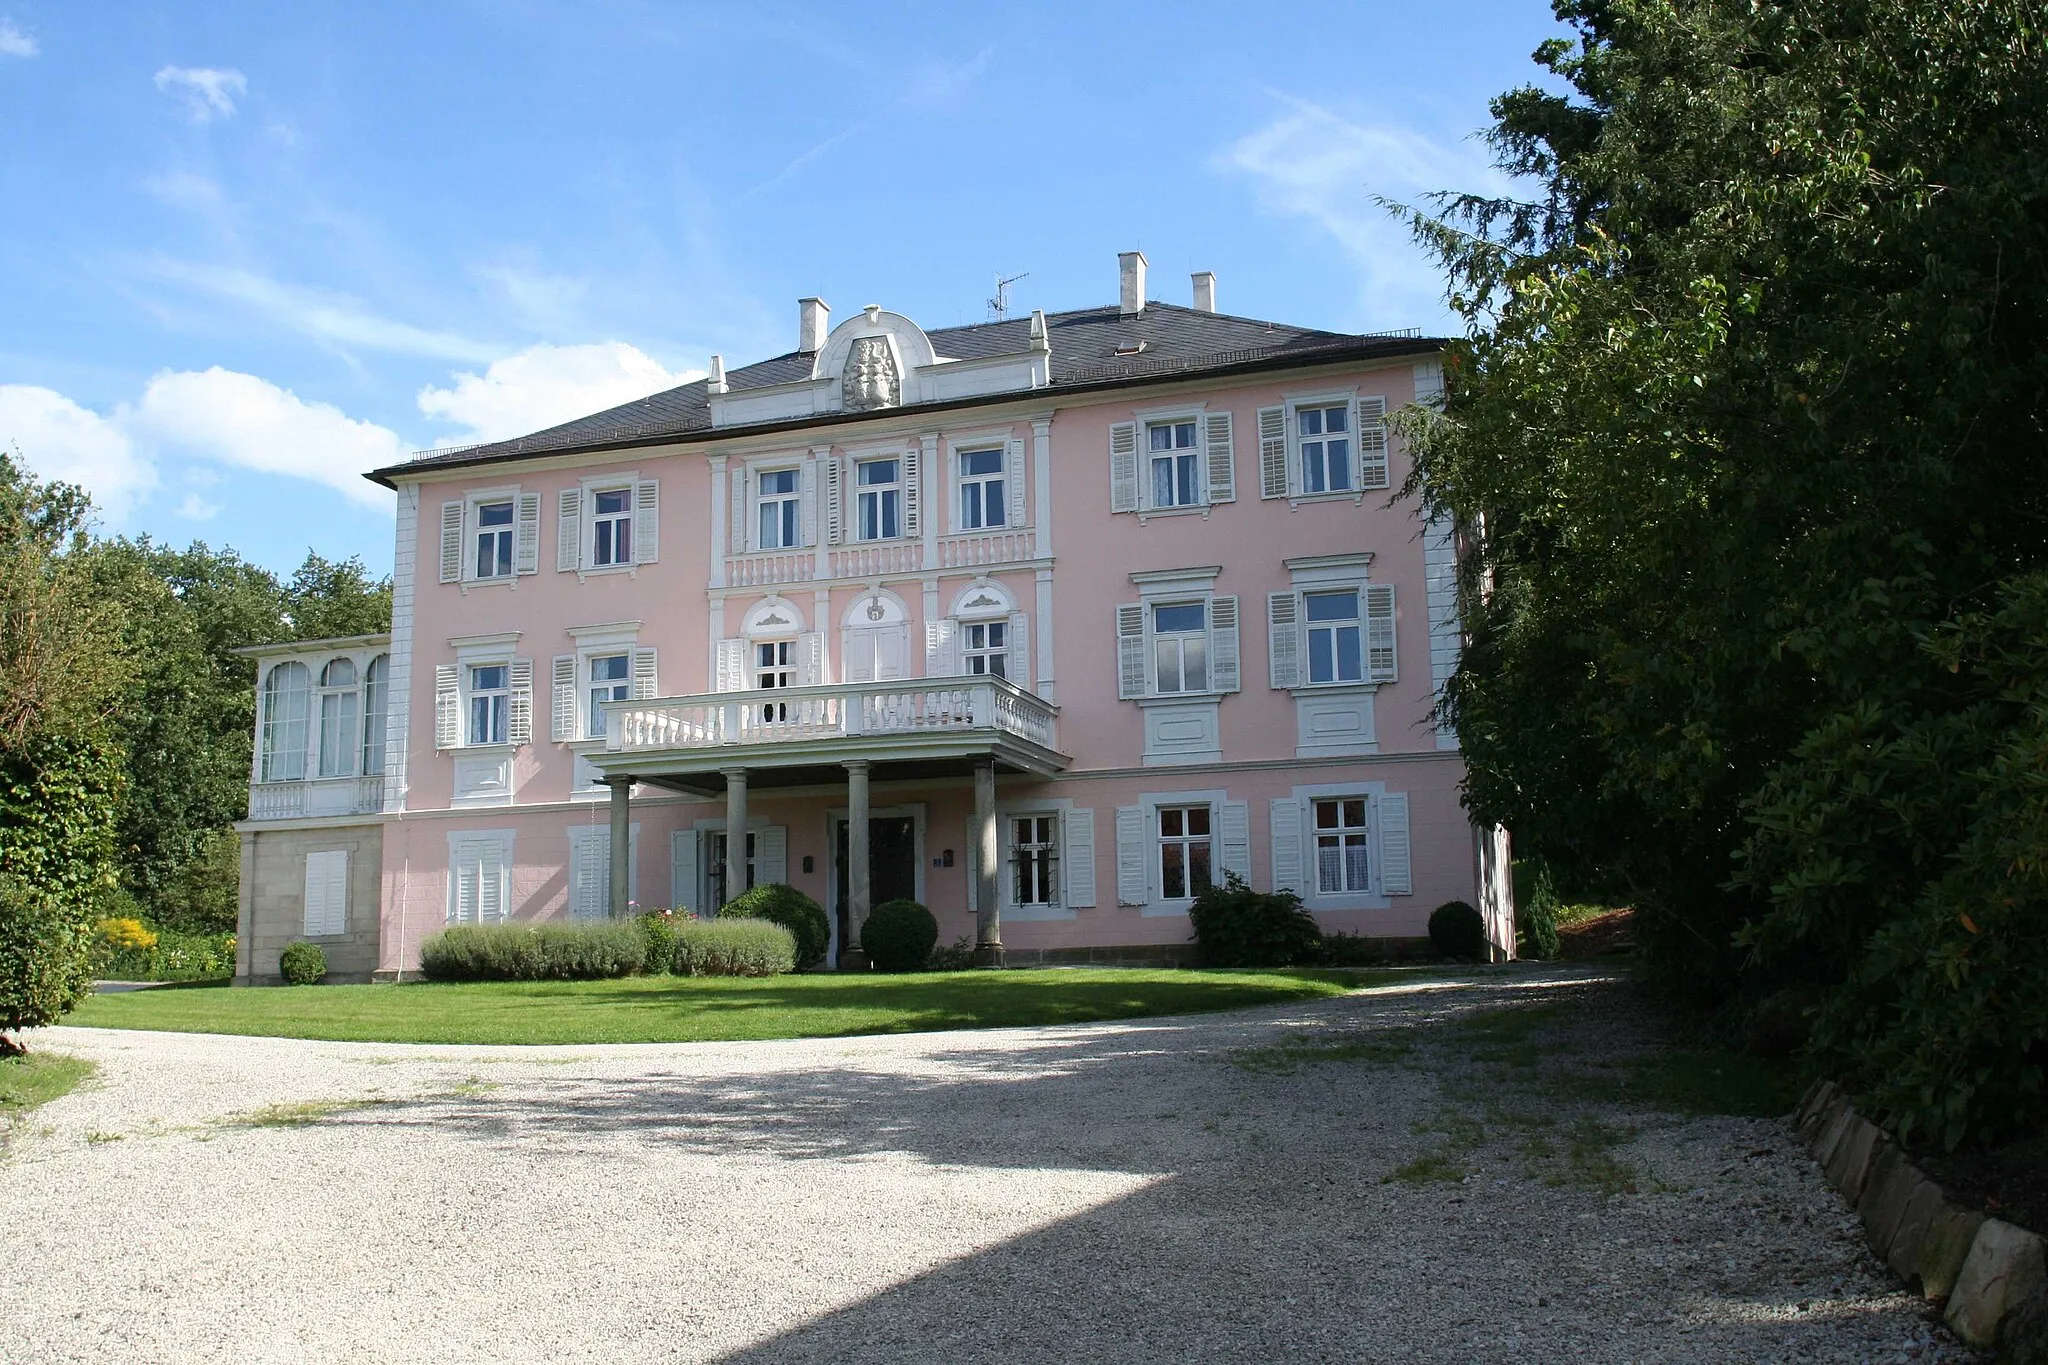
pixel 899 936
pixel 732 947
pixel 45 956
pixel 957 957
pixel 302 964
pixel 534 952
pixel 1350 950
pixel 1456 930
pixel 793 910
pixel 1236 926
pixel 658 928
pixel 1535 911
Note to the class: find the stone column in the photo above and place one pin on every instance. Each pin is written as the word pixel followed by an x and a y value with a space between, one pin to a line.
pixel 988 915
pixel 735 832
pixel 622 844
pixel 859 880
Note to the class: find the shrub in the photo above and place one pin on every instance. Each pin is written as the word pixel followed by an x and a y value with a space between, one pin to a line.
pixel 793 910
pixel 730 946
pixel 1351 950
pixel 1236 926
pixel 899 936
pixel 1457 931
pixel 303 964
pixel 658 928
pixel 535 952
pixel 956 958
pixel 1535 913
pixel 45 957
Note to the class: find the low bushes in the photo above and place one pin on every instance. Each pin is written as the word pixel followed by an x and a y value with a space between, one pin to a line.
pixel 899 936
pixel 1457 931
pixel 534 952
pixel 126 949
pixel 793 910
pixel 732 947
pixel 302 964
pixel 1236 926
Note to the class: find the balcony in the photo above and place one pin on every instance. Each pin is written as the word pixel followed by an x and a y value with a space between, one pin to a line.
pixel 318 796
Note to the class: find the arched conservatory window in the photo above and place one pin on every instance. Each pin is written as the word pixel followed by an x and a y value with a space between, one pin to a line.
pixel 376 709
pixel 339 707
pixel 287 704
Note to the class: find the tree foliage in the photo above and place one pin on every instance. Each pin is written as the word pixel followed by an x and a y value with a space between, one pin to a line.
pixel 1747 442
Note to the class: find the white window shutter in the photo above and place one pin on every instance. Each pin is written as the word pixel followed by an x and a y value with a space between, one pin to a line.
pixel 451 542
pixel 1234 820
pixel 835 500
pixel 1283 638
pixel 1123 467
pixel 1020 650
pixel 527 539
pixel 1131 669
pixel 569 530
pixel 744 533
pixel 1077 859
pixel 682 870
pixel 1287 846
pixel 1272 452
pixel 857 655
pixel 1013 472
pixel 590 856
pixel 447 707
pixel 468 878
pixel 1006 860
pixel 563 727
pixel 1133 881
pixel 492 892
pixel 810 659
pixel 942 648
pixel 646 679
pixel 771 854
pixel 1223 644
pixel 1390 819
pixel 731 675
pixel 646 521
pixel 913 493
pixel 892 653
pixel 1373 470
pixel 326 903
pixel 807 483
pixel 1222 459
pixel 1380 658
pixel 519 727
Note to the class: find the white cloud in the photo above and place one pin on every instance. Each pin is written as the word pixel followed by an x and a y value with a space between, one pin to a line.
pixel 241 420
pixel 15 43
pixel 206 90
pixel 58 439
pixel 196 508
pixel 324 316
pixel 544 385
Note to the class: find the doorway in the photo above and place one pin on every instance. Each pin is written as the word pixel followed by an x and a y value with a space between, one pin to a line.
pixel 892 865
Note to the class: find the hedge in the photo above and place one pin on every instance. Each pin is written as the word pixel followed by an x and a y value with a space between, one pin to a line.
pixel 793 910
pixel 534 952
pixel 731 947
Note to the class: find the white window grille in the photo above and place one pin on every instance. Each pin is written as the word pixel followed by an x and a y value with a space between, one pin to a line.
pixel 1342 846
pixel 611 527
pixel 879 505
pixel 1180 648
pixel 982 502
pixel 985 648
pixel 1034 843
pixel 494 534
pixel 339 710
pixel 610 680
pixel 490 702
pixel 779 504
pixel 376 713
pixel 1186 851
pixel 1335 649
pixel 287 707
pixel 1325 444
pixel 1173 460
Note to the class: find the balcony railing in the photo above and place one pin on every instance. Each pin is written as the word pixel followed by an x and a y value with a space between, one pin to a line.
pixel 316 796
pixel 799 715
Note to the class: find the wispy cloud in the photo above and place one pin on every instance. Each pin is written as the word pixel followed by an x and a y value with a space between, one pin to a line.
pixel 15 43
pixel 803 159
pixel 544 385
pixel 323 315
pixel 208 92
pixel 196 508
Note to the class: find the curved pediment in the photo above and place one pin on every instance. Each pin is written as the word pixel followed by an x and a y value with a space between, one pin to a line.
pixel 873 356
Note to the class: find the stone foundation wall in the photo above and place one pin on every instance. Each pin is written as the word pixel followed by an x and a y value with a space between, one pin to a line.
pixel 273 901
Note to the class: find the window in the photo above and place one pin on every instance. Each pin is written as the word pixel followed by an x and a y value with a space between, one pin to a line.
pixel 287 703
pixel 494 540
pixel 1180 648
pixel 376 713
pixel 338 709
pixel 880 505
pixel 1170 446
pixel 1334 654
pixel 611 540
pixel 1341 863
pixel 610 680
pixel 985 648
pixel 775 666
pixel 1184 851
pixel 1035 841
pixel 981 489
pixel 490 697
pixel 778 500
pixel 326 903
pixel 479 876
pixel 720 886
pixel 1325 448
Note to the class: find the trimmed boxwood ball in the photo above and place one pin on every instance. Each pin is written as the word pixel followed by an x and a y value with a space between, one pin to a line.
pixel 1236 926
pixel 303 964
pixel 1456 930
pixel 899 936
pixel 782 904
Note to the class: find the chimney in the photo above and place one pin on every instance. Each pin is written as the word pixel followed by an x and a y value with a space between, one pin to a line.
pixel 812 315
pixel 715 381
pixel 1130 275
pixel 1205 291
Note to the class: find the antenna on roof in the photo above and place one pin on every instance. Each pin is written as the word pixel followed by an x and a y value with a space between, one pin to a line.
pixel 999 306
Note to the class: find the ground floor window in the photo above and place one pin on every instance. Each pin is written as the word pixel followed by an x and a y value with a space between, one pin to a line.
pixel 1340 834
pixel 1035 854
pixel 724 885
pixel 1185 851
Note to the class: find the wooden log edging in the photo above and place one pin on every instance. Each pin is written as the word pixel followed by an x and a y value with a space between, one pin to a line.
pixel 1990 1277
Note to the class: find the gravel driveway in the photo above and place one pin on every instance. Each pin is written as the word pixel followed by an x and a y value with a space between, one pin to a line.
pixel 1380 1177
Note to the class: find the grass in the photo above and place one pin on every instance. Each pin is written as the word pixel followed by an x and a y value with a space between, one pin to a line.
pixel 38 1078
pixel 665 1009
pixel 298 1114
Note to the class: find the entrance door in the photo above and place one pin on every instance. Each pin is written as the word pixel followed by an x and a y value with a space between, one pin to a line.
pixel 892 864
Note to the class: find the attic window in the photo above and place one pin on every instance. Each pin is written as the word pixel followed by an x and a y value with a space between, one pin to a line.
pixel 1129 347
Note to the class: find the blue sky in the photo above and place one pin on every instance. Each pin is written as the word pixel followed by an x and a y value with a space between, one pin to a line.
pixel 250 250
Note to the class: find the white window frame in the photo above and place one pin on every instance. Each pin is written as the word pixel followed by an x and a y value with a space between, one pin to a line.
pixel 593 518
pixel 1055 872
pixel 483 651
pixel 322 917
pixel 793 500
pixel 1298 474
pixel 1194 453
pixel 988 488
pixel 373 759
pixel 1158 841
pixel 975 648
pixel 1334 627
pixel 880 491
pixel 272 755
pixel 1070 899
pixel 474 529
pixel 1315 899
pixel 1346 836
pixel 591 721
pixel 346 701
pixel 499 844
pixel 1330 573
pixel 472 693
pixel 1183 587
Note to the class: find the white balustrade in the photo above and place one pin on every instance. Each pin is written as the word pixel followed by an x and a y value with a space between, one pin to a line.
pixel 966 552
pixel 318 796
pixel 798 715
pixel 753 571
pixel 866 561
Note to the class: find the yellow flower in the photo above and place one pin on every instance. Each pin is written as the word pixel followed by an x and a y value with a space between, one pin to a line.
pixel 126 933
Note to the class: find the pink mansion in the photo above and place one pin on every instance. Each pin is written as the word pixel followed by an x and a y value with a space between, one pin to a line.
pixel 1048 623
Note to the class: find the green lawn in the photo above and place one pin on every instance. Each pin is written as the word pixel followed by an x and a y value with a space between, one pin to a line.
pixel 38 1078
pixel 667 1009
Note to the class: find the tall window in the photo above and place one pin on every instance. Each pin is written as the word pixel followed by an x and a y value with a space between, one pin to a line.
pixel 727 883
pixel 1180 647
pixel 1334 654
pixel 287 705
pixel 612 527
pixel 1340 845
pixel 775 666
pixel 1325 448
pixel 1171 448
pixel 778 498
pixel 1184 851
pixel 1036 841
pixel 494 540
pixel 880 506
pixel 376 713
pixel 986 648
pixel 338 708
pixel 490 698
pixel 610 680
pixel 981 489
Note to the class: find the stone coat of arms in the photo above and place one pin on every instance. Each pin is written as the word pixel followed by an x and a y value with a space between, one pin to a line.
pixel 870 379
